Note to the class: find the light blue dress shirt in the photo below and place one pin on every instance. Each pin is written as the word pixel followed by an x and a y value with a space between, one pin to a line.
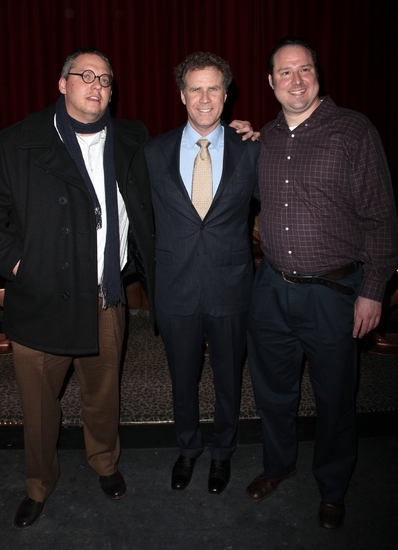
pixel 189 151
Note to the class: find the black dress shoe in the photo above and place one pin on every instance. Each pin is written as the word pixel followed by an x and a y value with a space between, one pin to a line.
pixel 113 486
pixel 182 472
pixel 28 513
pixel 220 472
pixel 331 516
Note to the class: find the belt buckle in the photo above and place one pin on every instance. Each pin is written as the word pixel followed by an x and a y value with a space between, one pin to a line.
pixel 284 278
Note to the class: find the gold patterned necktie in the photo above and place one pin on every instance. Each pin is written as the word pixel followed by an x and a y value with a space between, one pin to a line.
pixel 202 179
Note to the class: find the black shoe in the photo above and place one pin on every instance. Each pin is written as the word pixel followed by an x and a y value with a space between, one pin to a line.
pixel 331 515
pixel 220 472
pixel 113 486
pixel 28 513
pixel 182 472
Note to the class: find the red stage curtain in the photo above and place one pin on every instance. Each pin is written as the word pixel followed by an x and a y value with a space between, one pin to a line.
pixel 145 39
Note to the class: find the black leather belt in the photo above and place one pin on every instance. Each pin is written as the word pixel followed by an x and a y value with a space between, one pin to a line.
pixel 325 279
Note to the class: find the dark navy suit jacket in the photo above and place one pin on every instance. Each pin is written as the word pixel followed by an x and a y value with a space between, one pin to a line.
pixel 210 260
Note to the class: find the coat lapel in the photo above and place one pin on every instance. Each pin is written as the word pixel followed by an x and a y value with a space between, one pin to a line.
pixel 57 161
pixel 55 158
pixel 125 145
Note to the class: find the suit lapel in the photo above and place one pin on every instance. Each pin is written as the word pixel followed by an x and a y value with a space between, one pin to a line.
pixel 233 149
pixel 171 150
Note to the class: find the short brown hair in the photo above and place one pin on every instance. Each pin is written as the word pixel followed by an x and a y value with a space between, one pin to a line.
pixel 291 41
pixel 202 60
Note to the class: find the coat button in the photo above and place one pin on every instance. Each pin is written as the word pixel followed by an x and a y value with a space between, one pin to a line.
pixel 65 265
pixel 62 200
pixel 143 206
pixel 65 295
pixel 65 230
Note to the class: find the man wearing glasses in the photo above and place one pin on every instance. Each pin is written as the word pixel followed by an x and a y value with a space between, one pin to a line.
pixel 73 193
pixel 75 210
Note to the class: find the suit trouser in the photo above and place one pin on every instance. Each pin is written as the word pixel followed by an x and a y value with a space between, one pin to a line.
pixel 40 377
pixel 286 320
pixel 183 338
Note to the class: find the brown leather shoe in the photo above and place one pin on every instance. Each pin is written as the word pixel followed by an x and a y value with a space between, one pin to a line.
pixel 28 513
pixel 113 486
pixel 331 515
pixel 263 486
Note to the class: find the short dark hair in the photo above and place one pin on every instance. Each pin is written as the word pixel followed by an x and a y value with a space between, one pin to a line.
pixel 291 41
pixel 69 61
pixel 202 60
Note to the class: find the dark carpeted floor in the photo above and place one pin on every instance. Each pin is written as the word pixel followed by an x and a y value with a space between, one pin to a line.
pixel 153 517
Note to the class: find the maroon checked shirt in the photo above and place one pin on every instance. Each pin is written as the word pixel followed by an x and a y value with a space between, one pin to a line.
pixel 326 197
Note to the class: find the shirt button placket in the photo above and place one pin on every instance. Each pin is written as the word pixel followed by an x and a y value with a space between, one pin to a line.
pixel 287 197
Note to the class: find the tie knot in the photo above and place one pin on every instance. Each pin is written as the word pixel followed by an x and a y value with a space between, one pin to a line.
pixel 204 152
pixel 203 143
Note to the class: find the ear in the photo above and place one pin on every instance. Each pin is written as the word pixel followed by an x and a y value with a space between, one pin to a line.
pixel 183 98
pixel 62 85
pixel 270 81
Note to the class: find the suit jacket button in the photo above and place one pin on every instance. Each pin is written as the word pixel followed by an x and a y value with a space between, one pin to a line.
pixel 65 295
pixel 143 206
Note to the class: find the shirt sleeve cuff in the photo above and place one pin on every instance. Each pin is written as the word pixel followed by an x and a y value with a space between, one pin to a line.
pixel 373 290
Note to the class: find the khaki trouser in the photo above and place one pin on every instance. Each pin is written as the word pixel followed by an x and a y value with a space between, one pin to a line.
pixel 40 377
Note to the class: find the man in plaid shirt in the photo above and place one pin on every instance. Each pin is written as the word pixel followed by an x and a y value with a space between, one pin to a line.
pixel 328 231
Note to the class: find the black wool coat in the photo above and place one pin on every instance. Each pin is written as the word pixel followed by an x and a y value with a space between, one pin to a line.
pixel 47 221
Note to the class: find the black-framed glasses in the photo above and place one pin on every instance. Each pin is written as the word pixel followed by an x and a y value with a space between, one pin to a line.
pixel 89 76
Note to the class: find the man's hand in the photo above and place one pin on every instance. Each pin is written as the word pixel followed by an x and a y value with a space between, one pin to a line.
pixel 244 127
pixel 367 315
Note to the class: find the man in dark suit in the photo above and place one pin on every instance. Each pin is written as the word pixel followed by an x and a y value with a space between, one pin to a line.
pixel 73 183
pixel 203 260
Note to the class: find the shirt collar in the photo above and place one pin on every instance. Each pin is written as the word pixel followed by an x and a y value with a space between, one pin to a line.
pixel 215 137
pixel 325 110
pixel 93 139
